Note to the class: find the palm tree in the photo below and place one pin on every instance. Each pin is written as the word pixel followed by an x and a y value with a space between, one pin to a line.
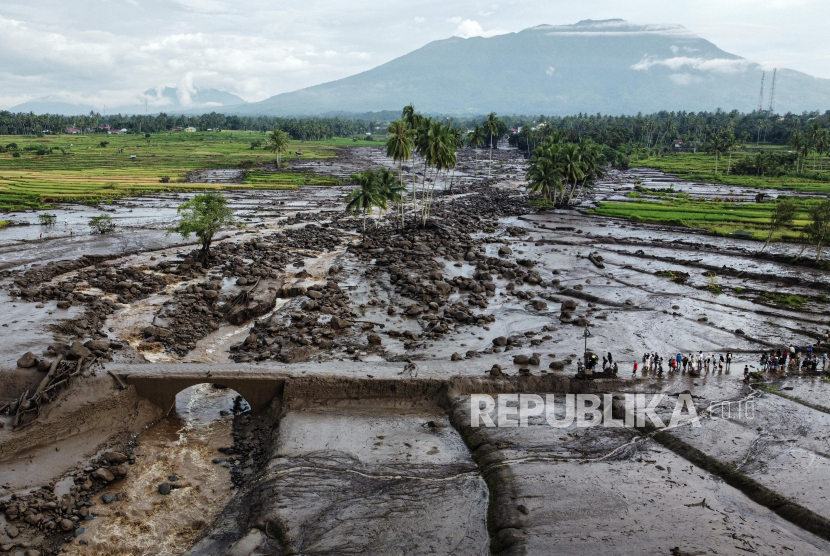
pixel 815 133
pixel 438 153
pixel 399 143
pixel 278 144
pixel 366 197
pixel 572 167
pixel 544 177
pixel 491 127
pixel 476 140
pixel 821 146
pixel 717 147
pixel 799 144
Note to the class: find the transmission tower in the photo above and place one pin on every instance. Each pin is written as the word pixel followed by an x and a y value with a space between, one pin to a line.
pixel 761 98
pixel 772 91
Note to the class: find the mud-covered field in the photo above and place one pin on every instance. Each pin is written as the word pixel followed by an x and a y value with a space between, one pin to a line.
pixel 361 357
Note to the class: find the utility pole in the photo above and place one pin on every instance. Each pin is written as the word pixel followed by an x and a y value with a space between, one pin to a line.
pixel 772 91
pixel 761 98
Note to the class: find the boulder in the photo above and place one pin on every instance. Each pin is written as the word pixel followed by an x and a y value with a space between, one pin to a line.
pixel 314 294
pixel 67 524
pixel 28 361
pixel 44 365
pixel 339 324
pixel 500 341
pixel 103 475
pixel 504 251
pixel 260 302
pixel 98 345
pixel 120 470
pixel 374 339
pixel 164 489
pixel 77 350
pixel 456 357
pixel 521 359
pixel 115 457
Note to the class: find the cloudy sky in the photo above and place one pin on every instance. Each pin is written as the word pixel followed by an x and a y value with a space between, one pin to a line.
pixel 109 51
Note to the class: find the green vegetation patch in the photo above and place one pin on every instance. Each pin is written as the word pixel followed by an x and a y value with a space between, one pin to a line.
pixel 80 168
pixel 673 275
pixel 701 167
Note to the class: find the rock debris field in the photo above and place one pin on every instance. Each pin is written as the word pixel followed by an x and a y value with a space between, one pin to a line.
pixel 367 355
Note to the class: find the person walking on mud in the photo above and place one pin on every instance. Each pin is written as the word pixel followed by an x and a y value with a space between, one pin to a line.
pixel 728 361
pixel 746 373
pixel 721 362
pixel 634 372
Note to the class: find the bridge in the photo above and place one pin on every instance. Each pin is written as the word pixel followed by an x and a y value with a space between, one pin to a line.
pixel 261 384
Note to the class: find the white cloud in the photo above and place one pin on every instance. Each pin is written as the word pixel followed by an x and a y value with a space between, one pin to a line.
pixel 420 19
pixel 550 70
pixel 715 65
pixel 469 28
pixel 684 79
pixel 455 19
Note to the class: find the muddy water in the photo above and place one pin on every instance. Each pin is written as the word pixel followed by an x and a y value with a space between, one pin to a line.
pixel 183 444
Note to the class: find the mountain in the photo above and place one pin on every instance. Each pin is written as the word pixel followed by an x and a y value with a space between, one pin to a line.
pixel 609 66
pixel 163 99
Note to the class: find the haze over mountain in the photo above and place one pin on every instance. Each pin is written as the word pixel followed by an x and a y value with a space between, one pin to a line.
pixel 608 66
pixel 172 100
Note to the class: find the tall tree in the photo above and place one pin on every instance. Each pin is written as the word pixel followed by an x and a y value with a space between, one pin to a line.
pixel 491 127
pixel 476 140
pixel 399 143
pixel 782 215
pixel 204 215
pixel 278 144
pixel 366 197
pixel 818 230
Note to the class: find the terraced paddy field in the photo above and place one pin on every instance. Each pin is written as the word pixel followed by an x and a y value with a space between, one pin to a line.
pixel 701 167
pixel 749 220
pixel 82 168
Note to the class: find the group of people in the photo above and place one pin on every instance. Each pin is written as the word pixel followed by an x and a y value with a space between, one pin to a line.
pixel 792 359
pixel 699 363
pixel 779 360
pixel 592 361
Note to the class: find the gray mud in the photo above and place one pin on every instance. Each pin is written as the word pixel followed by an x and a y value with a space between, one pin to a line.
pixel 375 344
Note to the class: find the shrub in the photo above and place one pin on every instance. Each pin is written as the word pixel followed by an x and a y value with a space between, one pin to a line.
pixel 103 144
pixel 101 224
pixel 16 154
pixel 47 219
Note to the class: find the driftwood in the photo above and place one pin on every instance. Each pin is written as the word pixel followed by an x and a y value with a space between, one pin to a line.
pixel 117 378
pixel 596 259
pixel 242 298
pixel 59 375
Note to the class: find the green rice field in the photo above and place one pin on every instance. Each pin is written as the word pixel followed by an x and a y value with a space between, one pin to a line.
pixel 701 167
pixel 716 217
pixel 78 168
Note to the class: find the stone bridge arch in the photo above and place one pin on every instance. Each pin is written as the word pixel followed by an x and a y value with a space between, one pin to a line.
pixel 162 390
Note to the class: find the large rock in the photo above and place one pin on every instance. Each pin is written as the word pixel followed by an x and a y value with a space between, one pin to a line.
pixel 521 359
pixel 339 324
pixel 103 475
pixel 28 361
pixel 77 350
pixel 260 301
pixel 120 470
pixel 500 341
pixel 115 457
pixel 98 345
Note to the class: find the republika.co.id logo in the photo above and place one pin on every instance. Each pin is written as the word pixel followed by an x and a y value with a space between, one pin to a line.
pixel 592 410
